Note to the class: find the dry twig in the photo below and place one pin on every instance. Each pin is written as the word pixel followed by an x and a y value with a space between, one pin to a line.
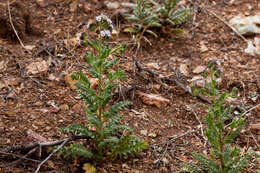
pixel 19 156
pixel 201 127
pixel 174 138
pixel 222 20
pixel 168 144
pixel 166 79
pixel 10 18
pixel 56 150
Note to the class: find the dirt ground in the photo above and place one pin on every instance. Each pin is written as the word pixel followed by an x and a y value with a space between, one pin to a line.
pixel 43 102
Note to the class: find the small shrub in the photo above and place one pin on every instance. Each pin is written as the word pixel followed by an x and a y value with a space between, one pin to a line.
pixel 143 20
pixel 105 136
pixel 223 158
pixel 148 15
pixel 169 15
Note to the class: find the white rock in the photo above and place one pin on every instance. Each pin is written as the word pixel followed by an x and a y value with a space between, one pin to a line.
pixel 144 132
pixel 257 45
pixel 128 5
pixel 250 48
pixel 112 5
pixel 246 25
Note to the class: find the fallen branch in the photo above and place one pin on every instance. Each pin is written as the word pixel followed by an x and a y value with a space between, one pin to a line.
pixel 222 20
pixel 166 79
pixel 44 144
pixel 168 144
pixel 19 156
pixel 10 18
pixel 174 138
pixel 34 147
pixel 54 151
pixel 201 127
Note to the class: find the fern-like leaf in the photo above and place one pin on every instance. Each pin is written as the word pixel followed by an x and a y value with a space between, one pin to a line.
pixel 180 17
pixel 78 129
pixel 207 163
pixel 78 150
pixel 113 110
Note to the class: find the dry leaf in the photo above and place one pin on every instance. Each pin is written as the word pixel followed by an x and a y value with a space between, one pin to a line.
pixel 70 82
pixel 88 168
pixel 29 47
pixel 36 67
pixel 203 47
pixel 73 5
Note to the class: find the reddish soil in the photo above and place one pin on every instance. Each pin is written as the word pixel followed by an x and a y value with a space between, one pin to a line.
pixel 30 103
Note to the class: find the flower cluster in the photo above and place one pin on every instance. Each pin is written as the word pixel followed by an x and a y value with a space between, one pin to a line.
pixel 106 19
pixel 102 18
pixel 105 33
pixel 104 24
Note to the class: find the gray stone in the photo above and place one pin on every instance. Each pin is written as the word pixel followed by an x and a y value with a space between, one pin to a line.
pixel 246 25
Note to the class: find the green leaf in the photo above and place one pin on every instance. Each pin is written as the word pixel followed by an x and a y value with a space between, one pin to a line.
pixel 208 164
pixel 75 76
pixel 131 30
pixel 83 79
pixel 177 31
pixel 78 149
pixel 113 110
pixel 78 129
pixel 89 91
pixel 180 16
pixel 233 134
pixel 151 32
pixel 132 18
pixel 191 168
pixel 155 24
pixel 93 120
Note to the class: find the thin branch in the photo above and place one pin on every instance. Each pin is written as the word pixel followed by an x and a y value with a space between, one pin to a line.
pixel 134 71
pixel 19 156
pixel 168 144
pixel 201 127
pixel 250 110
pixel 174 138
pixel 47 158
pixel 10 18
pixel 44 144
pixel 166 79
pixel 222 20
pixel 245 113
pixel 254 140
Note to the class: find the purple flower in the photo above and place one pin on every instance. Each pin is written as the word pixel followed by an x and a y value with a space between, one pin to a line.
pixel 105 33
pixel 99 18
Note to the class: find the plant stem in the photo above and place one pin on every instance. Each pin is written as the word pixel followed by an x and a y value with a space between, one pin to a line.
pixel 222 148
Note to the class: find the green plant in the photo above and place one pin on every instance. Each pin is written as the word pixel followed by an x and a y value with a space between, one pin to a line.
pixel 148 15
pixel 223 158
pixel 169 15
pixel 143 19
pixel 105 136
